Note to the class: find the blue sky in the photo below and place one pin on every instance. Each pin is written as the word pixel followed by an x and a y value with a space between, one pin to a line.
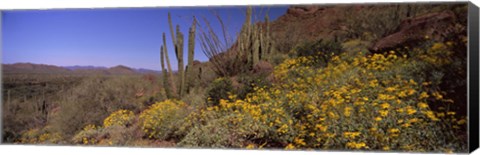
pixel 107 37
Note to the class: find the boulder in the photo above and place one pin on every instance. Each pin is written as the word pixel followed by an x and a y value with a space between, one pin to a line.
pixel 263 67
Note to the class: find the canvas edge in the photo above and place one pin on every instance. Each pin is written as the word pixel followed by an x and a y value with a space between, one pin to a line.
pixel 473 70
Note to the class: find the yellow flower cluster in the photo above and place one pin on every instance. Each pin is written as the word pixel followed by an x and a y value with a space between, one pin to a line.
pixel 40 136
pixel 120 118
pixel 370 95
pixel 161 119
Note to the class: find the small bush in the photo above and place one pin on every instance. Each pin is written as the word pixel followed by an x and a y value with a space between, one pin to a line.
pixel 219 89
pixel 228 125
pixel 120 118
pixel 248 83
pixel 161 120
pixel 120 128
pixel 195 98
pixel 40 136
pixel 90 134
pixel 94 99
pixel 321 50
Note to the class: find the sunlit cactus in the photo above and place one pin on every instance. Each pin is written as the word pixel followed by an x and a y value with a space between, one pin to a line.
pixel 179 52
pixel 170 72
pixel 166 86
pixel 191 50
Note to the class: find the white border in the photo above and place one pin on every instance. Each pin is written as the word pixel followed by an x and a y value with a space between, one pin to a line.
pixel 74 150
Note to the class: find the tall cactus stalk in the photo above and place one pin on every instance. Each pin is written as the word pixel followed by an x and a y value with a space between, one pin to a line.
pixel 247 35
pixel 254 40
pixel 166 86
pixel 256 45
pixel 170 72
pixel 171 30
pixel 191 49
pixel 179 52
pixel 269 41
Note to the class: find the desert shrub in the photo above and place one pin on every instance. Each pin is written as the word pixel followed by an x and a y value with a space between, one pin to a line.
pixel 90 134
pixel 219 89
pixel 321 50
pixel 119 129
pixel 368 102
pixel 355 46
pixel 40 136
pixel 161 120
pixel 373 22
pixel 230 125
pixel 18 116
pixel 94 99
pixel 248 83
pixel 202 74
pixel 278 58
pixel 195 98
pixel 120 118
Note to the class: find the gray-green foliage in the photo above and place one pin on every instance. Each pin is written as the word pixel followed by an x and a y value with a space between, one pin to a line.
pixel 223 132
pixel 94 99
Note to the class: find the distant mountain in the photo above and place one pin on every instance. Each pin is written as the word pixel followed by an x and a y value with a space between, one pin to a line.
pixel 123 70
pixel 147 71
pixel 32 68
pixel 77 67
pixel 84 70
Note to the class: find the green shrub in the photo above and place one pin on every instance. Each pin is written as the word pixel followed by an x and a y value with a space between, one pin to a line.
pixel 248 83
pixel 40 136
pixel 94 99
pixel 219 89
pixel 195 98
pixel 231 131
pixel 90 134
pixel 228 125
pixel 321 50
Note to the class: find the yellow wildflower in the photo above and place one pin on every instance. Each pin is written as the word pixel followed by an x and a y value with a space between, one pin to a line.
pixel 385 105
pixel 289 147
pixel 423 105
pixel 356 145
pixel 423 95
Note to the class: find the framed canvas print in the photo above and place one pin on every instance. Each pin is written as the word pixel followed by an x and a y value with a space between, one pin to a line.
pixel 368 77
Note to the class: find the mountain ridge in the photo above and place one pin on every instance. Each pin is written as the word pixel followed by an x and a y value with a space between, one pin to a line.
pixel 27 67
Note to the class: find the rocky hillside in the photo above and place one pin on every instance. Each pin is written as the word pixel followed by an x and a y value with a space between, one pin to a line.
pixel 367 22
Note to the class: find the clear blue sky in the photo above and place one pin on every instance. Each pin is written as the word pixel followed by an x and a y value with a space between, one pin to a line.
pixel 107 37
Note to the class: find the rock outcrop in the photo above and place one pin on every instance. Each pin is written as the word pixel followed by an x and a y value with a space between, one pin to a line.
pixel 436 26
